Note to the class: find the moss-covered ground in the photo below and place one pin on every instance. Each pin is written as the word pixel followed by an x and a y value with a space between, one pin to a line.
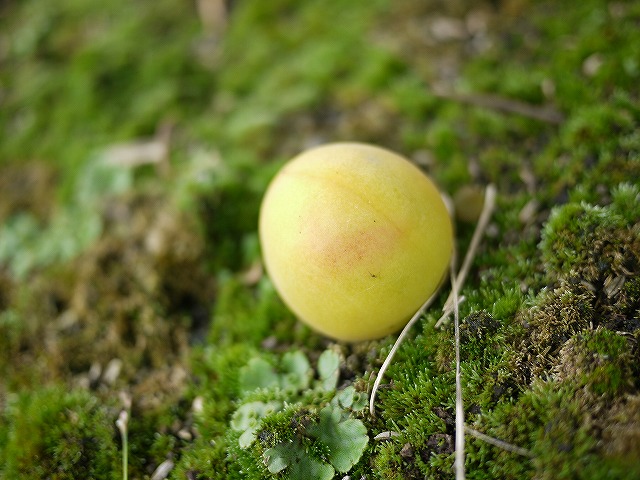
pixel 136 141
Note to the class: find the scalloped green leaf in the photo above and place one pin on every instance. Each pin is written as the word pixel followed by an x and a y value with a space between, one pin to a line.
pixel 297 371
pixel 301 466
pixel 346 439
pixel 329 369
pixel 248 418
pixel 351 399
pixel 258 373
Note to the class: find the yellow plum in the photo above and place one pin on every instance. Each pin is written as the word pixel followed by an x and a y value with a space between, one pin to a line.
pixel 355 238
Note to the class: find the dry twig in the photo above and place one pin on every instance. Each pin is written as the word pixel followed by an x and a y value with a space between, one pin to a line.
pixel 499 443
pixel 545 113
pixel 459 463
pixel 483 222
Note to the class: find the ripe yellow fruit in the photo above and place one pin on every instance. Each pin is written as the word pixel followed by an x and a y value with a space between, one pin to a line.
pixel 355 238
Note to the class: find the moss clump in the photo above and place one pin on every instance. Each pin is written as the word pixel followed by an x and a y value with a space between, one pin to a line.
pixel 599 360
pixel 620 437
pixel 215 390
pixel 276 415
pixel 477 333
pixel 625 201
pixel 566 422
pixel 27 188
pixel 590 241
pixel 600 248
pixel 418 403
pixel 557 316
pixel 56 433
pixel 547 420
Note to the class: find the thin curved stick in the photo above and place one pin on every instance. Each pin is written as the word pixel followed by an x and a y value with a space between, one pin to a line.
pixel 483 221
pixel 459 462
pixel 394 349
pixel 499 443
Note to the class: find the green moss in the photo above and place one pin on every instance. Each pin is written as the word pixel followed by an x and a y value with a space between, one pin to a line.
pixel 388 462
pixel 250 316
pixel 418 404
pixel 202 460
pixel 217 385
pixel 554 422
pixel 626 202
pixel 214 389
pixel 590 241
pixel 549 423
pixel 54 433
pixel 557 316
pixel 227 204
pixel 599 360
pixel 590 153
